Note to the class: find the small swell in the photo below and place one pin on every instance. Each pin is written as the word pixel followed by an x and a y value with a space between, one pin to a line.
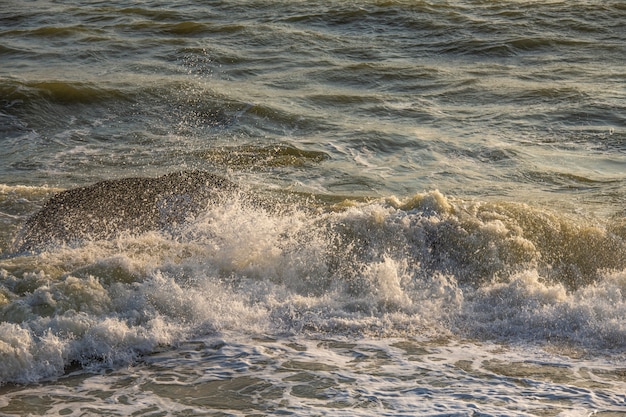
pixel 57 91
pixel 251 156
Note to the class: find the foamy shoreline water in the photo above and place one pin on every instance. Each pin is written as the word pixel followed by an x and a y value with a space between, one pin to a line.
pixel 429 217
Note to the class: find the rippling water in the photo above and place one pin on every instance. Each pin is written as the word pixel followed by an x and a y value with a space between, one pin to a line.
pixel 424 212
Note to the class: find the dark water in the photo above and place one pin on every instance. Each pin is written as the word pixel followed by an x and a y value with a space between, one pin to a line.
pixel 428 217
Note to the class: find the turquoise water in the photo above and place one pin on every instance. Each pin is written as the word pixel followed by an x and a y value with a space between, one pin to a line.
pixel 427 212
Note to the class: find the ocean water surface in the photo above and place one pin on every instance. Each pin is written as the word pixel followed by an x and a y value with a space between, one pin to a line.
pixel 256 207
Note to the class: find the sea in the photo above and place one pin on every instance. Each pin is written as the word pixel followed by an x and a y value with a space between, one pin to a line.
pixel 426 213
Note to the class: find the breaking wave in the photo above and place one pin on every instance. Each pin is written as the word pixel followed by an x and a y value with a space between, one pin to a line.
pixel 429 265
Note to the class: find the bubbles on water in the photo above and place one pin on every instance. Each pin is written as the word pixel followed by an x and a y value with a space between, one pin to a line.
pixel 427 266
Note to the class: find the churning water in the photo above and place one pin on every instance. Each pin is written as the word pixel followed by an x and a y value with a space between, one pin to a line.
pixel 313 208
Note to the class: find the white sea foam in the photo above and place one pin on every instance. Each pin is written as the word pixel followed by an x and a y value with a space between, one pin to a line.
pixel 427 266
pixel 427 305
pixel 345 376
